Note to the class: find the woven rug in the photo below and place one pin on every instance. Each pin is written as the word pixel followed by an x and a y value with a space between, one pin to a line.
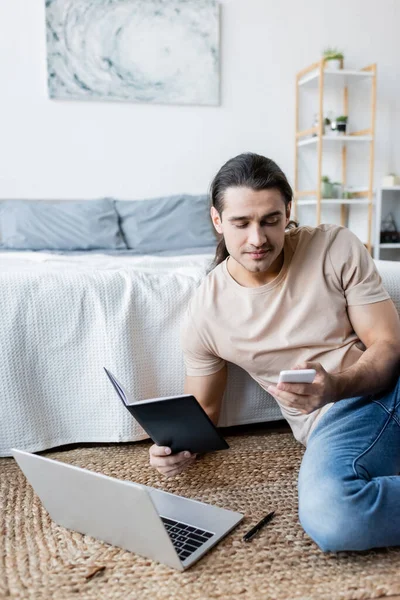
pixel 39 559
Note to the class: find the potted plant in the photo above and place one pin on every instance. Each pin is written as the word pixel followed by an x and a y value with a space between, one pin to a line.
pixel 327 126
pixel 333 59
pixel 326 187
pixel 341 123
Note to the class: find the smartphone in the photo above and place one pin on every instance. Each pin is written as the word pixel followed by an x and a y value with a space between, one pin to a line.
pixel 297 376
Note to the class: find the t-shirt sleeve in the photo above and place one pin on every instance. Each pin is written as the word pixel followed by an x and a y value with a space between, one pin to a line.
pixel 199 359
pixel 355 268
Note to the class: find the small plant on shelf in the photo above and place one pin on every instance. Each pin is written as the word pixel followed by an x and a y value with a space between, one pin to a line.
pixel 326 187
pixel 327 125
pixel 341 124
pixel 333 58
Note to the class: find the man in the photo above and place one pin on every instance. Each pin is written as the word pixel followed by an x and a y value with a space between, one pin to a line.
pixel 292 298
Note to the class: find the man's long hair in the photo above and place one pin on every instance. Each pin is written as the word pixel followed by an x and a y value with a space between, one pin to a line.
pixel 252 171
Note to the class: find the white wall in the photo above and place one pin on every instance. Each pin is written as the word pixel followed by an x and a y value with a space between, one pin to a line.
pixel 89 149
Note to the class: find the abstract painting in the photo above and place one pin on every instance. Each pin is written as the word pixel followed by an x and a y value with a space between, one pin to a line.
pixel 157 51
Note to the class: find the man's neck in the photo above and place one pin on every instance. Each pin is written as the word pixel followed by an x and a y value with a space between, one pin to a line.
pixel 248 279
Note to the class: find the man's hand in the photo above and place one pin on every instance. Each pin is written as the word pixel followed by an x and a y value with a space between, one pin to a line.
pixel 307 397
pixel 170 464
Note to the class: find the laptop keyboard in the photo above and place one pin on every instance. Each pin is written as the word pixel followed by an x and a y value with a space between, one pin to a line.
pixel 185 538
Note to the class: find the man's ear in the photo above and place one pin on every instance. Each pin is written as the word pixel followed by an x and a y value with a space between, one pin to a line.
pixel 216 219
pixel 288 210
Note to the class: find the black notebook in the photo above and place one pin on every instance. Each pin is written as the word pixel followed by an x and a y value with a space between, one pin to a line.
pixel 178 422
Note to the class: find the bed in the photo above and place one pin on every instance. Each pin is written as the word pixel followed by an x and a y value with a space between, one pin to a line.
pixel 69 312
pixel 66 315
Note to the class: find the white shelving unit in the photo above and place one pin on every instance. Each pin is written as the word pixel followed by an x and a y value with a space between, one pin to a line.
pixel 316 77
pixel 340 76
pixel 335 139
pixel 388 201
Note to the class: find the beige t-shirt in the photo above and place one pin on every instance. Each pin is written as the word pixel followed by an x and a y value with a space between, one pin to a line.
pixel 300 316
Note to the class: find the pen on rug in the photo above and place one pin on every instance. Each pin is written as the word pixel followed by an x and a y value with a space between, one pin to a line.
pixel 247 537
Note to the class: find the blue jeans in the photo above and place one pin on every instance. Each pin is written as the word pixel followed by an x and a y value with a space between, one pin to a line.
pixel 349 483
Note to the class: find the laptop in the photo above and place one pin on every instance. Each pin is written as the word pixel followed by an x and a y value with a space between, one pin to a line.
pixel 167 528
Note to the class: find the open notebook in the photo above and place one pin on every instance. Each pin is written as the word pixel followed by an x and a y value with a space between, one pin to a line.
pixel 178 422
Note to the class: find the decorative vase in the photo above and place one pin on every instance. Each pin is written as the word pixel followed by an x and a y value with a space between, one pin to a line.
pixel 326 189
pixel 337 191
pixel 333 127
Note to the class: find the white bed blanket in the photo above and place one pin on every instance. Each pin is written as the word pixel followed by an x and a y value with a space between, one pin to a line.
pixel 64 317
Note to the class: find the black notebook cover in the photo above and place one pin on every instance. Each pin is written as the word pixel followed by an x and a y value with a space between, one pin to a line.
pixel 178 422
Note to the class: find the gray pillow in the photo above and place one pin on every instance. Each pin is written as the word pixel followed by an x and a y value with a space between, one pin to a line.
pixel 170 223
pixel 62 225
